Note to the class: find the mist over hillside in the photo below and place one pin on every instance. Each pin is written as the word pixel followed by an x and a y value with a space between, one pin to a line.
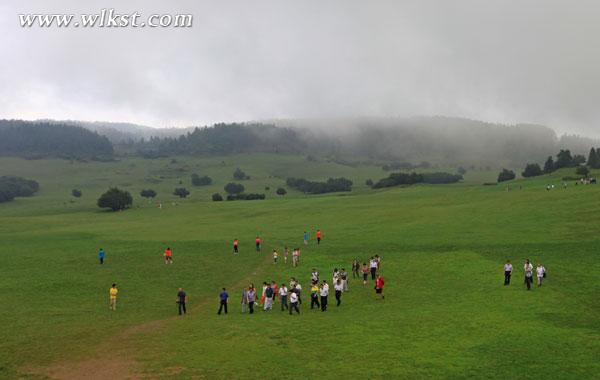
pixel 436 140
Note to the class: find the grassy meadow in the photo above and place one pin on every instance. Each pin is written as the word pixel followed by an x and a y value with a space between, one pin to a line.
pixel 446 313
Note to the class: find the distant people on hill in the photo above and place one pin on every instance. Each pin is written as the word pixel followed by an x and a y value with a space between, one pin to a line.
pixel 508 268
pixel 101 256
pixel 365 271
pixel 275 256
pixel 244 302
pixel 305 238
pixel 339 288
pixel 293 302
pixel 318 237
pixel 528 268
pixel 112 294
pixel 355 268
pixel 297 288
pixel 324 292
pixel 541 273
pixel 251 298
pixel 268 298
pixel 373 265
pixel 296 257
pixel 258 242
pixel 235 246
pixel 283 294
pixel 181 300
pixel 335 276
pixel 344 279
pixel 314 295
pixel 168 256
pixel 286 252
pixel 314 275
pixel 379 283
pixel 223 299
pixel 275 288
pixel 378 261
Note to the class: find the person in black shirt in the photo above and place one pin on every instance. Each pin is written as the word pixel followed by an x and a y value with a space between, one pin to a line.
pixel 181 300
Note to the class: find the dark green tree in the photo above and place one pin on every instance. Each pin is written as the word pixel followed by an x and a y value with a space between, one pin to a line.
pixel 115 199
pixel 593 160
pixel 239 175
pixel 532 170
pixel 181 192
pixel 578 159
pixel 76 193
pixel 201 181
pixel 549 166
pixel 506 175
pixel 281 191
pixel 148 193
pixel 234 188
pixel 564 159
pixel 582 170
pixel 217 197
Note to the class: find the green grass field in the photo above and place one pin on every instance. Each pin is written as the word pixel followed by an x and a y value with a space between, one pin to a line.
pixel 446 312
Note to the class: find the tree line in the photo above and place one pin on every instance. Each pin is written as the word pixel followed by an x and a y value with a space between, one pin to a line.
pixel 12 187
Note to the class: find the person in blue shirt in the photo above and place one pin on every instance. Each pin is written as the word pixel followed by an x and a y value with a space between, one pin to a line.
pixel 224 296
pixel 101 256
pixel 305 238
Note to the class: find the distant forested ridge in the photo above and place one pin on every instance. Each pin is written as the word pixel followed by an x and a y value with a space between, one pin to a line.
pixel 38 140
pixel 419 141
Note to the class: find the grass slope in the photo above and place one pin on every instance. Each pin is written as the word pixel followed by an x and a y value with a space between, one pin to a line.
pixel 446 313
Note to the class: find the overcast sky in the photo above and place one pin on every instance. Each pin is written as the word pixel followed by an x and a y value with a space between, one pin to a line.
pixel 501 61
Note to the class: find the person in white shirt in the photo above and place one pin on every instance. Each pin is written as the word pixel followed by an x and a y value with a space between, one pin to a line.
pixel 373 265
pixel 294 302
pixel 508 268
pixel 298 291
pixel 540 270
pixel 314 276
pixel 283 293
pixel 339 288
pixel 324 292
pixel 528 268
pixel 335 276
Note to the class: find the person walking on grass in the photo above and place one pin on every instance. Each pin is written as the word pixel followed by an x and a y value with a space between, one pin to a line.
pixel 318 237
pixel 378 261
pixel 112 294
pixel 283 294
pixel 305 238
pixel 235 246
pixel 540 271
pixel 314 295
pixel 528 268
pixel 268 298
pixel 339 288
pixel 355 268
pixel 258 243
pixel 275 291
pixel 262 296
pixel 251 298
pixel 373 265
pixel 223 299
pixel 101 256
pixel 244 302
pixel 181 300
pixel 344 278
pixel 298 291
pixel 293 302
pixel 275 256
pixel 324 292
pixel 379 283
pixel 286 252
pixel 314 276
pixel 295 257
pixel 168 256
pixel 508 268
pixel 365 271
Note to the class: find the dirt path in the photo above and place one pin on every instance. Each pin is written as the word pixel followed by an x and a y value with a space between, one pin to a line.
pixel 115 358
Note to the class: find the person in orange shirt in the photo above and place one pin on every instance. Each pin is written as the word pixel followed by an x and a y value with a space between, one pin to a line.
pixel 318 237
pixel 235 246
pixel 379 282
pixel 168 256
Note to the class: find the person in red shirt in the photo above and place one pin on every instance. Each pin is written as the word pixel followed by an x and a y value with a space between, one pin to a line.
pixel 318 237
pixel 235 246
pixel 168 256
pixel 258 242
pixel 379 282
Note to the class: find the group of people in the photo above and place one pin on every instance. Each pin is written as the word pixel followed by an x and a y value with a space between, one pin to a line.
pixel 286 253
pixel 540 271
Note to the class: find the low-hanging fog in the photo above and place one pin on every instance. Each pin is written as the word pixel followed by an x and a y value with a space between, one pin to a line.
pixel 499 61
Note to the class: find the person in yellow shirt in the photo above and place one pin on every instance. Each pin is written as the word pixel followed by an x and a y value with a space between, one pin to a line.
pixel 113 297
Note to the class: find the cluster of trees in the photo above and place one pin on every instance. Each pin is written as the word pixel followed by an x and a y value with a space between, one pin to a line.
pixel 397 179
pixel 201 181
pixel 148 193
pixel 312 187
pixel 593 160
pixel 234 188
pixel 506 175
pixel 37 140
pixel 564 159
pixel 181 192
pixel 115 199
pixel 12 187
pixel 245 197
